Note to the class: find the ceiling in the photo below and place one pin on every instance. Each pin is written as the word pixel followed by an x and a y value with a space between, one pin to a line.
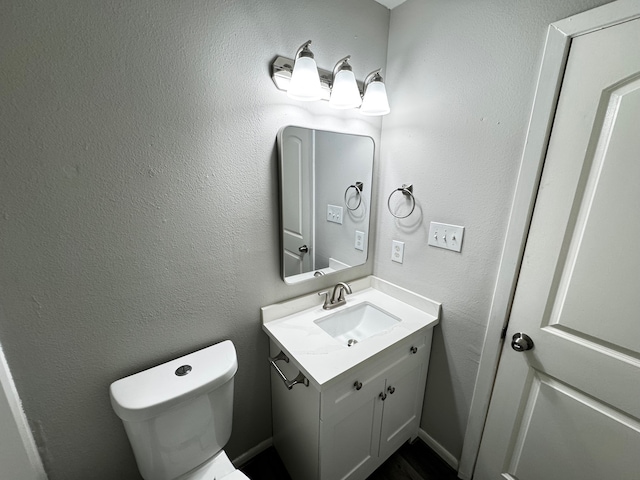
pixel 390 3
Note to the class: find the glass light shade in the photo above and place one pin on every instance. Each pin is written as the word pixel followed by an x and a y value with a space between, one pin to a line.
pixel 345 92
pixel 305 81
pixel 375 100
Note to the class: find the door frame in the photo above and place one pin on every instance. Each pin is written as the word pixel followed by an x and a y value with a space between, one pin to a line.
pixel 18 433
pixel 556 51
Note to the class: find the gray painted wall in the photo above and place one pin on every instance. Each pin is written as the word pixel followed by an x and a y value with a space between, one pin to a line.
pixel 461 78
pixel 138 197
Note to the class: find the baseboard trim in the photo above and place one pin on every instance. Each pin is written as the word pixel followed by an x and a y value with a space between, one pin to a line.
pixel 242 459
pixel 439 449
pixel 452 461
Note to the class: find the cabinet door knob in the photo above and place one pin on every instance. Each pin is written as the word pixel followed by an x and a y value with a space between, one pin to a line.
pixel 358 385
pixel 383 396
pixel 413 349
pixel 391 390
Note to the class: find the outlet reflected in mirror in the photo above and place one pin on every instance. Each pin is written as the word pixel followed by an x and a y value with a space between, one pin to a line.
pixel 325 201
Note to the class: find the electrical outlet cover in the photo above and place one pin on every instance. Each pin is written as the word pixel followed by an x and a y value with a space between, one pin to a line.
pixel 397 251
pixel 359 243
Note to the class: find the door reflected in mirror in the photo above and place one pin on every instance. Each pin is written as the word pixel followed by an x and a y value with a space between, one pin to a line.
pixel 325 200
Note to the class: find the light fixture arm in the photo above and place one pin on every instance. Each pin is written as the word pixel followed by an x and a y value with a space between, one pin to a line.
pixel 342 64
pixel 304 51
pixel 372 77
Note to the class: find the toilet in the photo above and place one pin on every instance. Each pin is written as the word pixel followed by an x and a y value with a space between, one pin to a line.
pixel 178 415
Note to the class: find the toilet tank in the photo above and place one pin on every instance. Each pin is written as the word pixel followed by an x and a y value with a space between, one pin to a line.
pixel 178 414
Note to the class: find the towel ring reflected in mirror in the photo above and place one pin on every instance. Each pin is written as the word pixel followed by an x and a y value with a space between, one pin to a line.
pixel 358 186
pixel 407 190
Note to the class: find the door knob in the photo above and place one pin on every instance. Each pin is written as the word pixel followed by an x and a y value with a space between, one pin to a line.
pixel 303 249
pixel 521 342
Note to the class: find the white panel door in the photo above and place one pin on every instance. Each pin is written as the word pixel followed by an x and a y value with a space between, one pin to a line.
pixel 297 188
pixel 569 408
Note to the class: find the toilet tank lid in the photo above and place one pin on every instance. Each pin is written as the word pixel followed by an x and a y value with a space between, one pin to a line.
pixel 148 393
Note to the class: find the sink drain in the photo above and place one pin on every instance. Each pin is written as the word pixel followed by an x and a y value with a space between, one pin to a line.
pixel 352 341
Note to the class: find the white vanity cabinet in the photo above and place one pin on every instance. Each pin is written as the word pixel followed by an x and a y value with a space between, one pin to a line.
pixel 348 427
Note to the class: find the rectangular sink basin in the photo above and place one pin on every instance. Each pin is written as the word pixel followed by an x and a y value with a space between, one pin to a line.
pixel 356 323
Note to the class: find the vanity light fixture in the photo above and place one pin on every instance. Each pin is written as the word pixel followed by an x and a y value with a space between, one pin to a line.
pixel 340 86
pixel 344 89
pixel 305 80
pixel 374 101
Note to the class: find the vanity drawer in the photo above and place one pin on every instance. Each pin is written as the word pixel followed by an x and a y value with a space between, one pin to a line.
pixel 369 378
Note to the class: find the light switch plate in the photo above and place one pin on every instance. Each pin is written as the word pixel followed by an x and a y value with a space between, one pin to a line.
pixel 443 235
pixel 359 244
pixel 334 214
pixel 397 251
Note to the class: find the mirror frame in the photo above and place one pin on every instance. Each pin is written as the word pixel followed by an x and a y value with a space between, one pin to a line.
pixel 355 218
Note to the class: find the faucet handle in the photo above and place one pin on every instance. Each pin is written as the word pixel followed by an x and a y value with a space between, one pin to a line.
pixel 327 299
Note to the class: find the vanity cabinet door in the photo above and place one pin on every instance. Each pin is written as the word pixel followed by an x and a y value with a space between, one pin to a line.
pixel 349 438
pixel 403 403
pixel 402 410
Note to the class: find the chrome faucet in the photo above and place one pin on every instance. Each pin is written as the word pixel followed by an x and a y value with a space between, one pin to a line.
pixel 337 297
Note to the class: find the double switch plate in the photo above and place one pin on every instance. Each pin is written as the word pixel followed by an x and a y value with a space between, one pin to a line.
pixel 443 235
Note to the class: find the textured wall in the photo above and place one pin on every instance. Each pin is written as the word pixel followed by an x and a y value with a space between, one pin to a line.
pixel 461 78
pixel 138 197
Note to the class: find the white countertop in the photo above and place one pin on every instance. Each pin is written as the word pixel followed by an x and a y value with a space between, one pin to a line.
pixel 321 357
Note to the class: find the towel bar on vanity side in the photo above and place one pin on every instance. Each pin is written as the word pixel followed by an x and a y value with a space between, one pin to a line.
pixel 300 378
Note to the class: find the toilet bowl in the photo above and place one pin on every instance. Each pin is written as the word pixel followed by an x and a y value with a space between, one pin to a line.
pixel 178 415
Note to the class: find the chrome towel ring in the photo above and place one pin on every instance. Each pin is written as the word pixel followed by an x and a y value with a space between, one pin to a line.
pixel 358 187
pixel 407 190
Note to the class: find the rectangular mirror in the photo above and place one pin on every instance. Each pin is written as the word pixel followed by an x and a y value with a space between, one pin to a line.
pixel 325 201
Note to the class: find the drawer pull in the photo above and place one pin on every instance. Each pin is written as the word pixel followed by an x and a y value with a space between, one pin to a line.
pixel 358 385
pixel 391 390
pixel 413 350
pixel 383 396
pixel 300 378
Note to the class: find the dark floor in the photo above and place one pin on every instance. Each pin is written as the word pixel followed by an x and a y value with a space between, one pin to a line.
pixel 411 462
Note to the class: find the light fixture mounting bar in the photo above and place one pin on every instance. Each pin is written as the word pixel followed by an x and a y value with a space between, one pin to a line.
pixel 282 67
